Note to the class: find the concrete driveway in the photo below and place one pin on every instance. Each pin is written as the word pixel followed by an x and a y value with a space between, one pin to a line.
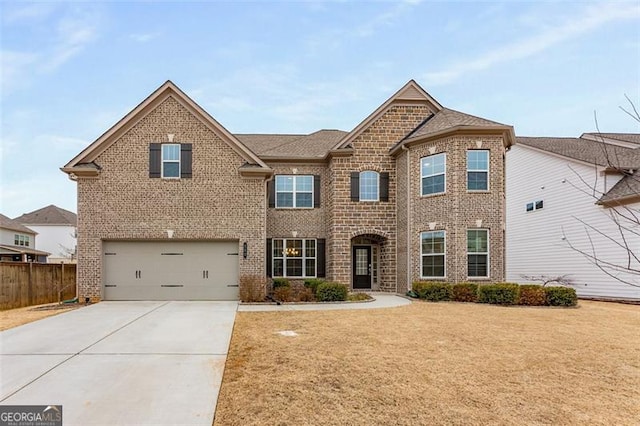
pixel 121 362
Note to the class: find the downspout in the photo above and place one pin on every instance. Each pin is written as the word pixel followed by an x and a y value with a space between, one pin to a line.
pixel 409 233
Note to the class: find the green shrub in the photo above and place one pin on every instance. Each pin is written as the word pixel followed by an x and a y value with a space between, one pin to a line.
pixel 331 292
pixel 358 297
pixel 499 294
pixel 561 296
pixel 280 282
pixel 464 292
pixel 313 283
pixel 532 295
pixel 253 288
pixel 432 291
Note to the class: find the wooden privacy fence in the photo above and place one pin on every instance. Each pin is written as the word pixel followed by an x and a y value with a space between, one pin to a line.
pixel 26 284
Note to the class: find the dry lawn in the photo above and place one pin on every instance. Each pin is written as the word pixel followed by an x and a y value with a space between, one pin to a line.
pixel 435 363
pixel 15 317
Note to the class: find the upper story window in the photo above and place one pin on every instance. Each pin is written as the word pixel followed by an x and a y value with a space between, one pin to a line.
pixel 21 240
pixel 477 253
pixel 171 160
pixel 433 254
pixel 478 170
pixel 369 186
pixel 294 191
pixel 433 173
pixel 538 205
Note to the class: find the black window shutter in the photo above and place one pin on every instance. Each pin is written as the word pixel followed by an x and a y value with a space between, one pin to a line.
pixel 316 191
pixel 186 158
pixel 154 160
pixel 271 192
pixel 269 254
pixel 355 186
pixel 384 186
pixel 321 261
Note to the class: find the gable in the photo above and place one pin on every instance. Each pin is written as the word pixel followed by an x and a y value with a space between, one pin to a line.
pixel 411 94
pixel 160 96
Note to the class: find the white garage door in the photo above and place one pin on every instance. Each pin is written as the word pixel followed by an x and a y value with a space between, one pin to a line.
pixel 153 270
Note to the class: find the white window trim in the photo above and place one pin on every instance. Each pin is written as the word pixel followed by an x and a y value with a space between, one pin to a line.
pixel 422 255
pixel 293 191
pixel 304 258
pixel 488 253
pixel 535 206
pixel 422 176
pixel 162 160
pixel 377 184
pixel 480 170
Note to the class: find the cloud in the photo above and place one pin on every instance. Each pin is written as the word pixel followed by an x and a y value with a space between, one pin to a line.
pixel 144 37
pixel 71 33
pixel 593 17
pixel 19 12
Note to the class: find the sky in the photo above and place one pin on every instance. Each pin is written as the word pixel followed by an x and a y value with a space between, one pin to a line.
pixel 70 70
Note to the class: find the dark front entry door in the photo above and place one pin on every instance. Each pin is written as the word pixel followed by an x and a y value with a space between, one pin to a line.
pixel 361 264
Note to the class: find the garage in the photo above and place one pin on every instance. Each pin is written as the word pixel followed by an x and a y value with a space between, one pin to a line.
pixel 168 270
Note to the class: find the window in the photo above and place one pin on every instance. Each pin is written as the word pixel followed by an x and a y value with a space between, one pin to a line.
pixel 537 205
pixel 294 258
pixel 21 240
pixel 433 174
pixel 477 253
pixel 171 160
pixel 477 170
pixel 369 186
pixel 294 191
pixel 433 254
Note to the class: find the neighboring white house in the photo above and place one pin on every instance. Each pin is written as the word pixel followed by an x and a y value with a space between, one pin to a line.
pixel 56 230
pixel 17 243
pixel 562 195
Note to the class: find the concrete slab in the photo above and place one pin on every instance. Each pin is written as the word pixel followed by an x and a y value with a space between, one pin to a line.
pixel 382 300
pixel 19 370
pixel 131 389
pixel 121 363
pixel 73 331
pixel 175 328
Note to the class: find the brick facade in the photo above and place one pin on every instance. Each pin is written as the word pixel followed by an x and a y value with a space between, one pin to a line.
pixel 121 201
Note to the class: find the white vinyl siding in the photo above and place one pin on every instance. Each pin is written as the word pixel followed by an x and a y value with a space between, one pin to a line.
pixel 534 242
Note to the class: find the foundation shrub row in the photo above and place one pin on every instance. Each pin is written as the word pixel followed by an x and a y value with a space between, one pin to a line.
pixel 496 294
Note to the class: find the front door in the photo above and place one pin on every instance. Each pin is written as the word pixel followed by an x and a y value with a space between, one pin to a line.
pixel 361 264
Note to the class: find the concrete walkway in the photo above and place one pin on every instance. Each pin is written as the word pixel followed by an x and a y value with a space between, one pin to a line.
pixel 382 300
pixel 121 363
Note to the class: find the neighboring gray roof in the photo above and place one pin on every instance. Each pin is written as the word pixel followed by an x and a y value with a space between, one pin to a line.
pixel 8 223
pixel 314 145
pixel 627 187
pixel 590 151
pixel 20 249
pixel 447 118
pixel 50 215
pixel 625 137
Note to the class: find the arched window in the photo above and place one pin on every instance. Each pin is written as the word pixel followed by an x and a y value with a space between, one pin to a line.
pixel 369 186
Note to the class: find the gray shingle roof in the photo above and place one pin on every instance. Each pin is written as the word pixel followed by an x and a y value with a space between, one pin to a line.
pixel 628 186
pixel 590 151
pixel 448 118
pixel 50 215
pixel 8 223
pixel 625 137
pixel 314 145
